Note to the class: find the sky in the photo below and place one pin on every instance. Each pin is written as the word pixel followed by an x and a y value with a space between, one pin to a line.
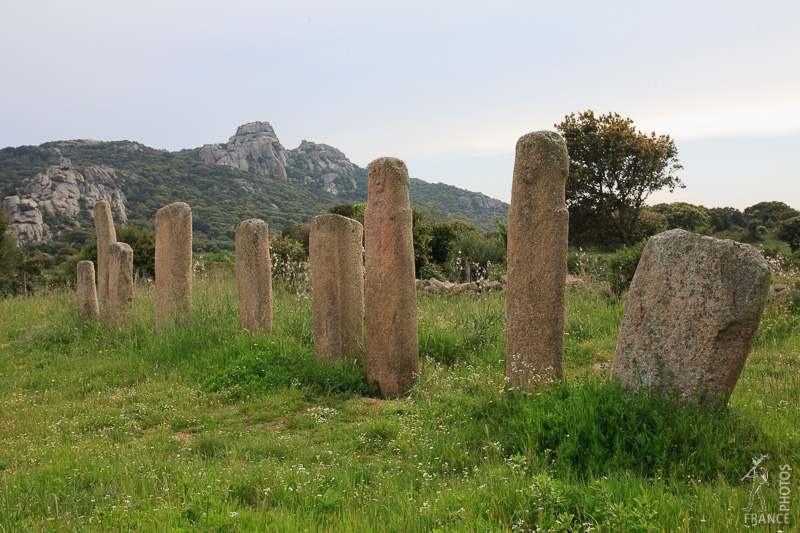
pixel 447 86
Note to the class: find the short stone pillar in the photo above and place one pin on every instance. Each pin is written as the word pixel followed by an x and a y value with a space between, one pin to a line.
pixel 120 278
pixel 538 225
pixel 87 293
pixel 254 276
pixel 106 236
pixel 337 280
pixel 691 314
pixel 173 297
pixel 391 296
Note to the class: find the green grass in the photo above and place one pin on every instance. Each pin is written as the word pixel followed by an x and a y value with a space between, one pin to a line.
pixel 208 428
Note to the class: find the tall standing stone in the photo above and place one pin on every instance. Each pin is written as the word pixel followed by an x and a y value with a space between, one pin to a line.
pixel 337 278
pixel 87 293
pixel 120 278
pixel 173 264
pixel 254 276
pixel 538 224
pixel 391 296
pixel 106 236
pixel 692 312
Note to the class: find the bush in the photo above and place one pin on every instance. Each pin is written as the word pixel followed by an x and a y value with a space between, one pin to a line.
pixel 477 251
pixel 219 262
pixel 289 264
pixel 143 243
pixel 9 255
pixel 789 230
pixel 432 271
pixel 621 267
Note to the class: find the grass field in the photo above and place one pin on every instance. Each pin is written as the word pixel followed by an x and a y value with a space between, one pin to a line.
pixel 109 427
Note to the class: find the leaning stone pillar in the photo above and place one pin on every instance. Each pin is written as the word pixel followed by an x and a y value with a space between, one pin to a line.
pixel 337 279
pixel 254 276
pixel 106 236
pixel 691 315
pixel 120 278
pixel 538 223
pixel 87 293
pixel 391 296
pixel 173 264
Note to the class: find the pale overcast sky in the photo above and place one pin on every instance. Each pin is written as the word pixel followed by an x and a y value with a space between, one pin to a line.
pixel 447 86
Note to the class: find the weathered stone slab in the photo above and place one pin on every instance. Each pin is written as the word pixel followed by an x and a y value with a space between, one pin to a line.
pixel 538 224
pixel 692 311
pixel 120 278
pixel 106 236
pixel 254 276
pixel 173 298
pixel 337 280
pixel 391 296
pixel 87 293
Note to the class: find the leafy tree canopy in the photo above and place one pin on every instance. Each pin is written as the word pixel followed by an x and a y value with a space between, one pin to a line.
pixel 766 213
pixel 614 168
pixel 723 218
pixel 9 254
pixel 789 230
pixel 684 216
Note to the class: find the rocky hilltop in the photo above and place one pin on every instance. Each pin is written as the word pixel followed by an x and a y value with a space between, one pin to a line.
pixel 255 147
pixel 331 166
pixel 61 193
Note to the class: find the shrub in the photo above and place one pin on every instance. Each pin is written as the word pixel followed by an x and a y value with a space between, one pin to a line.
pixel 477 251
pixel 289 264
pixel 219 262
pixel 621 267
pixel 432 271
pixel 789 230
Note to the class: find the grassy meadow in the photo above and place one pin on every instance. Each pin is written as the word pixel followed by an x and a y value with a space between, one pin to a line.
pixel 110 427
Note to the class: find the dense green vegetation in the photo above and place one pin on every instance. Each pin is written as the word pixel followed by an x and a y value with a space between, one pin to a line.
pixel 208 428
pixel 452 250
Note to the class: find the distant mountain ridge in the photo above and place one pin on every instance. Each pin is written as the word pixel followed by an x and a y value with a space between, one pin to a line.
pixel 49 190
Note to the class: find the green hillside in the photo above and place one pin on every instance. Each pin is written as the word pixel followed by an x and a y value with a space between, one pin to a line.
pixel 220 196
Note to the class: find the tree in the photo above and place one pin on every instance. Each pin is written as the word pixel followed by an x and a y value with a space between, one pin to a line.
pixel 684 216
pixel 766 213
pixel 789 230
pixel 443 233
pixel 9 255
pixel 422 234
pixel 723 218
pixel 614 168
pixel 143 243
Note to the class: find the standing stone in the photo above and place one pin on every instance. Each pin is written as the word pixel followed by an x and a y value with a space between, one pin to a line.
pixel 538 224
pixel 254 276
pixel 120 278
pixel 691 314
pixel 337 279
pixel 106 236
pixel 87 293
pixel 392 334
pixel 173 264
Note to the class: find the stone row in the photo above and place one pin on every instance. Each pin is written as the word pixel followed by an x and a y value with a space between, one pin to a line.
pixel 114 291
pixel 692 311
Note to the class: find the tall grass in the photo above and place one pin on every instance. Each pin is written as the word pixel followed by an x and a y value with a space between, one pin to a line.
pixel 208 428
